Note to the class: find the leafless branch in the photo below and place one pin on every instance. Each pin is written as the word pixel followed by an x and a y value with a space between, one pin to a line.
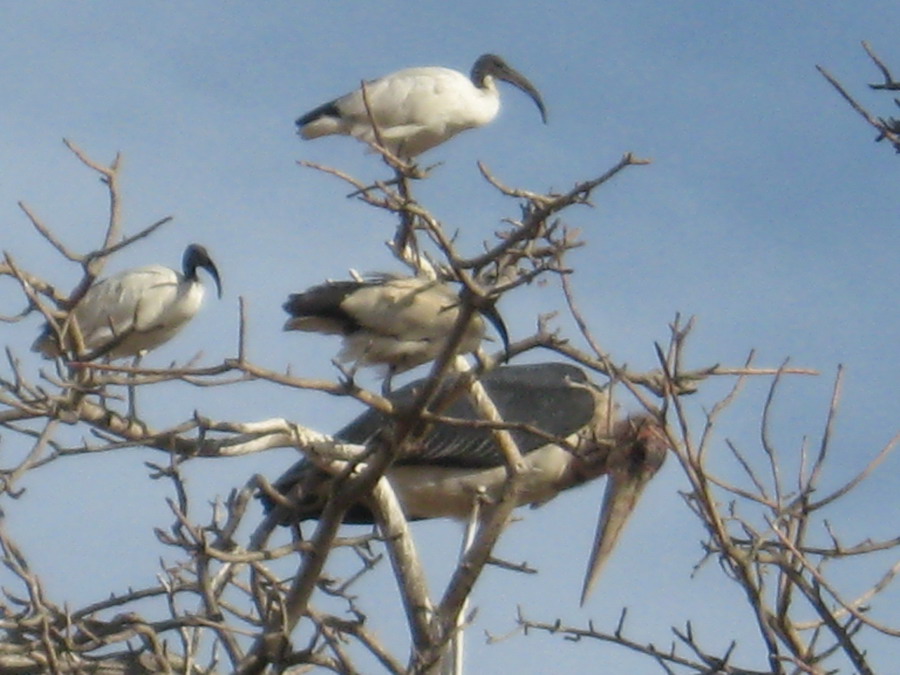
pixel 888 128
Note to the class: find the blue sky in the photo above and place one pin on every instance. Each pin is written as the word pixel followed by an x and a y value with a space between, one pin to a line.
pixel 767 213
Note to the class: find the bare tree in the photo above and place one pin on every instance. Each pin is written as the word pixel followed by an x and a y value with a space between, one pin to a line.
pixel 229 606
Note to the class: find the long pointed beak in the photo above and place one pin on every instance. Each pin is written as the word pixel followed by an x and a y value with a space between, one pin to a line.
pixel 631 466
pixel 621 496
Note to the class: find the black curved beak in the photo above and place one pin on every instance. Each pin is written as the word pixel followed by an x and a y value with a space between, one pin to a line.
pixel 518 80
pixel 214 273
pixel 639 452
pixel 492 315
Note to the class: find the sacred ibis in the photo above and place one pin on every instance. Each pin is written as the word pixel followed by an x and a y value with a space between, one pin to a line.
pixel 132 312
pixel 416 109
pixel 445 468
pixel 400 322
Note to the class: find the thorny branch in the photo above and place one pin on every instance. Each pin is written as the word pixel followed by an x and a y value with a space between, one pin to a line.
pixel 888 127
pixel 228 601
pixel 699 661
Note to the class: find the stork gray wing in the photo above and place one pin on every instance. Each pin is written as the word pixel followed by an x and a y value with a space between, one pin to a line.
pixel 556 398
pixel 553 397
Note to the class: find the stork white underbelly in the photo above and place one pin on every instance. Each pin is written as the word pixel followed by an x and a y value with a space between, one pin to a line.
pixel 449 492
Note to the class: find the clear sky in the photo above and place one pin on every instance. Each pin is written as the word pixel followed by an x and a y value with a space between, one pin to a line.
pixel 767 213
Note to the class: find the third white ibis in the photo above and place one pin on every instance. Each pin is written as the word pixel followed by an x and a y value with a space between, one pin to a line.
pixel 445 467
pixel 416 109
pixel 397 321
pixel 134 311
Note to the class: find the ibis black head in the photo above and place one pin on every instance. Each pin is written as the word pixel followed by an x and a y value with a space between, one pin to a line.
pixel 196 256
pixel 491 65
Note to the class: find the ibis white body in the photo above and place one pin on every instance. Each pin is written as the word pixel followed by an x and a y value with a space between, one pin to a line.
pixel 416 109
pixel 134 311
pixel 400 322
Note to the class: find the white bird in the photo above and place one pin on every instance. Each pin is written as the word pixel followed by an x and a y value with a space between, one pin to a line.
pixel 134 311
pixel 400 322
pixel 446 468
pixel 416 109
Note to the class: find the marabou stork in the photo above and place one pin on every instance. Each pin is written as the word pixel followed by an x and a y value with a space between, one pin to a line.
pixel 416 109
pixel 399 322
pixel 134 311
pixel 447 467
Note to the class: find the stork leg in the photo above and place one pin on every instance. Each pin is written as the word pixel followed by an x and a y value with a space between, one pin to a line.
pixel 458 644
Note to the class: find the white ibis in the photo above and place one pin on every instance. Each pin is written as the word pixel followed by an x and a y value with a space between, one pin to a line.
pixel 416 109
pixel 448 466
pixel 400 322
pixel 134 311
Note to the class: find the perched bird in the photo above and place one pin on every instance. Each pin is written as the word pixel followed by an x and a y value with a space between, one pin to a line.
pixel 400 322
pixel 416 109
pixel 447 467
pixel 133 311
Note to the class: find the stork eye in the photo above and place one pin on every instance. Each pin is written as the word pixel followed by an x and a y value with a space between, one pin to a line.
pixel 637 458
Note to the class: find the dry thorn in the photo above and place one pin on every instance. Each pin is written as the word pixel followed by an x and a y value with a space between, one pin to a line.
pixel 889 82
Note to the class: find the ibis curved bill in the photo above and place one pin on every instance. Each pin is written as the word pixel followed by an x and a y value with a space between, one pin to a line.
pixel 446 468
pixel 134 311
pixel 400 322
pixel 416 109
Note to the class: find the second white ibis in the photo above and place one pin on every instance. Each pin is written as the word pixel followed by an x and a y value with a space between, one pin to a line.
pixel 132 312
